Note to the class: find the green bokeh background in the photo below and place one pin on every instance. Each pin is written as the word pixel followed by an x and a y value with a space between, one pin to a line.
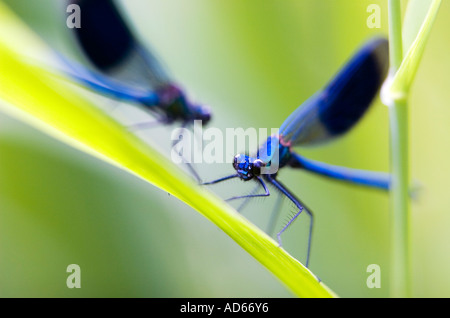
pixel 254 62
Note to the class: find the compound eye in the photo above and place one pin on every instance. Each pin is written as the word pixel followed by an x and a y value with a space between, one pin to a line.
pixel 238 159
pixel 206 118
pixel 257 165
pixel 203 113
pixel 206 114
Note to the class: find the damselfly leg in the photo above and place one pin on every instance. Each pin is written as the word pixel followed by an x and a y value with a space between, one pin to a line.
pixel 283 192
pixel 265 194
pixel 301 207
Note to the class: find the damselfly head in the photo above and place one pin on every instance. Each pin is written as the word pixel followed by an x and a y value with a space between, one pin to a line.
pixel 247 167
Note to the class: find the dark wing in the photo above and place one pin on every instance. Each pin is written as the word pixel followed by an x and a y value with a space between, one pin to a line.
pixel 109 44
pixel 341 104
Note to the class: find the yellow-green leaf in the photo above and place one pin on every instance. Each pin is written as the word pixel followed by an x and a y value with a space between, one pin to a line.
pixel 402 80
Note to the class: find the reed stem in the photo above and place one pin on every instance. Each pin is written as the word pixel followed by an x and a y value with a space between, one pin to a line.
pixel 399 140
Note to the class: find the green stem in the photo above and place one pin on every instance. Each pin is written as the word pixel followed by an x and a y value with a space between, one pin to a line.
pixel 400 206
pixel 398 113
pixel 395 35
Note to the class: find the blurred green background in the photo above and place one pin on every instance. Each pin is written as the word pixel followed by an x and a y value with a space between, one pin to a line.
pixel 254 62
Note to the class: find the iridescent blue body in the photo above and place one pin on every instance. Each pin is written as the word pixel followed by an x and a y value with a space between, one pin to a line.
pixel 329 113
pixel 124 68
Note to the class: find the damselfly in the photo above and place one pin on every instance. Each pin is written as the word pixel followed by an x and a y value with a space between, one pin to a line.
pixel 329 113
pixel 126 70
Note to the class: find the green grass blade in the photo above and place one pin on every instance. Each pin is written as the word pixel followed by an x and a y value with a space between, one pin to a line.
pixel 416 12
pixel 30 94
pixel 404 77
